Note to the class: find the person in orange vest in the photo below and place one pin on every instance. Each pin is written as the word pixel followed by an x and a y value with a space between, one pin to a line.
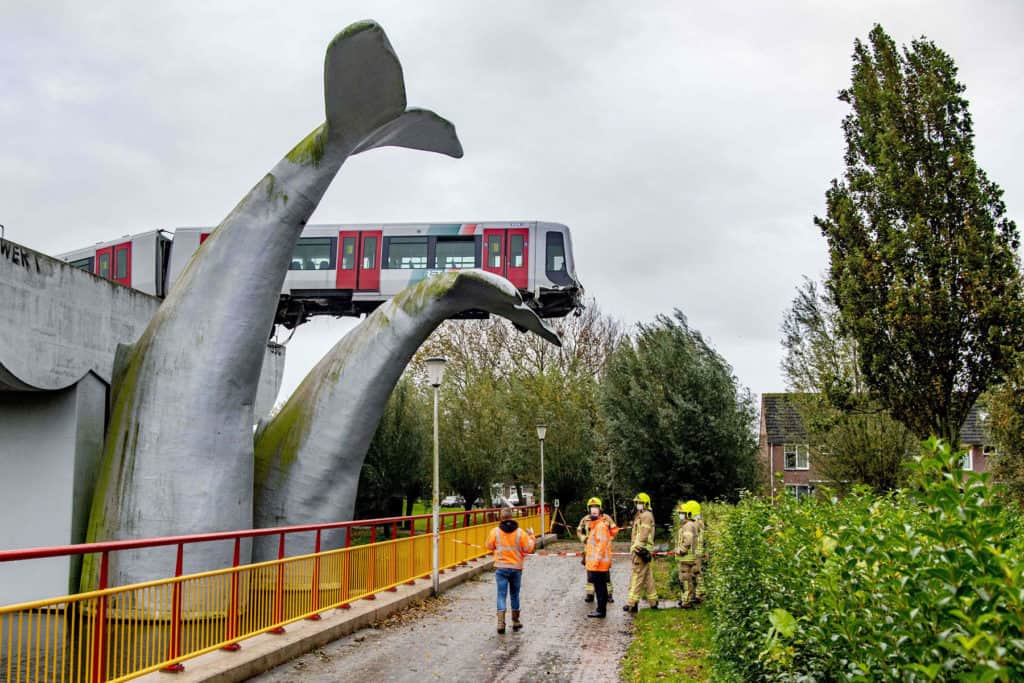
pixel 510 545
pixel 601 529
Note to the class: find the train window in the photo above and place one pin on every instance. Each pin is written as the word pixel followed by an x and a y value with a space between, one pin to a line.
pixel 455 252
pixel 83 263
pixel 104 270
pixel 407 252
pixel 120 263
pixel 348 253
pixel 515 251
pixel 556 253
pixel 313 253
pixel 369 253
pixel 494 251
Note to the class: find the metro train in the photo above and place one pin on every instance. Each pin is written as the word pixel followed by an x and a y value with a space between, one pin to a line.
pixel 351 269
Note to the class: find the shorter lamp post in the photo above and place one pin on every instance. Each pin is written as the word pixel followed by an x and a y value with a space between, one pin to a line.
pixel 435 373
pixel 542 431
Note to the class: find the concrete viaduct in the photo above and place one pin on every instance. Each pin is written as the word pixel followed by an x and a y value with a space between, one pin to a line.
pixel 59 331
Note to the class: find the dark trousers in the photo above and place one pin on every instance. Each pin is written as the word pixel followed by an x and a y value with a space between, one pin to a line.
pixel 600 581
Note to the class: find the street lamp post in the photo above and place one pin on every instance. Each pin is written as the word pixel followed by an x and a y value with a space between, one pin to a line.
pixel 542 431
pixel 435 372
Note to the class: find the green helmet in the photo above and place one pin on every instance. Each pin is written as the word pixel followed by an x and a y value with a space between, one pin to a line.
pixel 642 498
pixel 594 500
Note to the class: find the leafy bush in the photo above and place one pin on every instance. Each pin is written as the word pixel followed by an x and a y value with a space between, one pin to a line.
pixel 921 585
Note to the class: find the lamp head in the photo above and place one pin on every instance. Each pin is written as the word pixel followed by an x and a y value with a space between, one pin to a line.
pixel 435 370
pixel 542 430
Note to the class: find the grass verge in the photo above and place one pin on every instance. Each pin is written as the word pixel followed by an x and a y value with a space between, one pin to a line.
pixel 669 644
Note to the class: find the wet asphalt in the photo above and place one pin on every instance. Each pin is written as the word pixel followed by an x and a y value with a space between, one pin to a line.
pixel 453 637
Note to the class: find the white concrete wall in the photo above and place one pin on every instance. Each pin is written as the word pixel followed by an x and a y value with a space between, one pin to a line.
pixel 50 444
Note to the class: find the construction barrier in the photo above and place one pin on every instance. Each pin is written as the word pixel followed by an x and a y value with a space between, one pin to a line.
pixel 119 633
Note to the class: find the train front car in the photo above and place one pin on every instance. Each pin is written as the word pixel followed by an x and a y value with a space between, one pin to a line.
pixel 558 291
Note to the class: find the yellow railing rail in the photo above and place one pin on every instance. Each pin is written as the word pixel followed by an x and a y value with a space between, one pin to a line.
pixel 120 633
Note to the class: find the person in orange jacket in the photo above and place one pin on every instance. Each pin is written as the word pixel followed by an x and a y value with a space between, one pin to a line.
pixel 510 545
pixel 601 529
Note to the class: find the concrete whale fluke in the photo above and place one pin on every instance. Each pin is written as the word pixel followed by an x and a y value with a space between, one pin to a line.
pixel 308 457
pixel 178 456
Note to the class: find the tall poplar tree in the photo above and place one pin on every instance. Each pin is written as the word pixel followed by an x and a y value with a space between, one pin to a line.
pixel 923 257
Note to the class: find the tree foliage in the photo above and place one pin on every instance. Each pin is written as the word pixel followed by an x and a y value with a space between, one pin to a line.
pixel 396 464
pixel 1005 426
pixel 852 439
pixel 500 383
pixel 678 423
pixel 923 266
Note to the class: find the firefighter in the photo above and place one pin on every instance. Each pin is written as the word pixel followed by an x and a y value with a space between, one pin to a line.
pixel 702 550
pixel 510 545
pixel 581 533
pixel 641 582
pixel 688 550
pixel 600 530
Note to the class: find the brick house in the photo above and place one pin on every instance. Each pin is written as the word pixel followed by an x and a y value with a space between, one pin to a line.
pixel 784 446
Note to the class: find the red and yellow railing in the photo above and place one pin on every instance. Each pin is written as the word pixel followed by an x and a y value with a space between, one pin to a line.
pixel 118 633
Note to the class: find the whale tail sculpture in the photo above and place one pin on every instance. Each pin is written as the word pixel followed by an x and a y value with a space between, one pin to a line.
pixel 178 456
pixel 309 456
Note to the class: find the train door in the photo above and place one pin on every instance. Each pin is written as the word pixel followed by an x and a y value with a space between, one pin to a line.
pixel 518 261
pixel 507 253
pixel 359 260
pixel 115 263
pixel 494 251
pixel 123 264
pixel 369 261
pixel 347 243
pixel 103 258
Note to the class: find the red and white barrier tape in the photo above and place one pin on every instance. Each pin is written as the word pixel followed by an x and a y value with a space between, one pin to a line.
pixel 565 554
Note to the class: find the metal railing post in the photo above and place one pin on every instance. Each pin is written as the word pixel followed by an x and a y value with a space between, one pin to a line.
pixel 314 598
pixel 99 634
pixel 231 627
pixel 279 590
pixel 174 646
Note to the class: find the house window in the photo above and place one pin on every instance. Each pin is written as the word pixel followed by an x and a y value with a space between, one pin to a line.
pixel 967 461
pixel 799 490
pixel 796 457
pixel 989 451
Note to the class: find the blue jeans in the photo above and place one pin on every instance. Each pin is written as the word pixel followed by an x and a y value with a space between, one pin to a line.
pixel 508 580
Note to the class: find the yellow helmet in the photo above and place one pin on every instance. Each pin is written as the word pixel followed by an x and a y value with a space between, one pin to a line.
pixel 594 500
pixel 690 507
pixel 642 498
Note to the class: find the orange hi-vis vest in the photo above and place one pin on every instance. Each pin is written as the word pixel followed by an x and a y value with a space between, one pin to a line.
pixel 509 548
pixel 600 533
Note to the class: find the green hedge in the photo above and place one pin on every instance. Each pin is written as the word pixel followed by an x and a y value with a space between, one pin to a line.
pixel 926 584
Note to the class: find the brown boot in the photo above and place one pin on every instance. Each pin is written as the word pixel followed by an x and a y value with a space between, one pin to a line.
pixel 501 621
pixel 516 624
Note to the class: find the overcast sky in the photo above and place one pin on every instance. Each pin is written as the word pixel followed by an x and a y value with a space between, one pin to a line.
pixel 688 147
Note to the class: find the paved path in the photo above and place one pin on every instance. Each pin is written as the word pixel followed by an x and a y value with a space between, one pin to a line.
pixel 453 638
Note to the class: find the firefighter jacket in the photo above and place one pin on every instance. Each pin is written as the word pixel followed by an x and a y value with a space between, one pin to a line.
pixel 687 540
pixel 510 545
pixel 600 533
pixel 643 532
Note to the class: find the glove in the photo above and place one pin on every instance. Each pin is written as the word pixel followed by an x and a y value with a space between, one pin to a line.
pixel 583 561
pixel 644 554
